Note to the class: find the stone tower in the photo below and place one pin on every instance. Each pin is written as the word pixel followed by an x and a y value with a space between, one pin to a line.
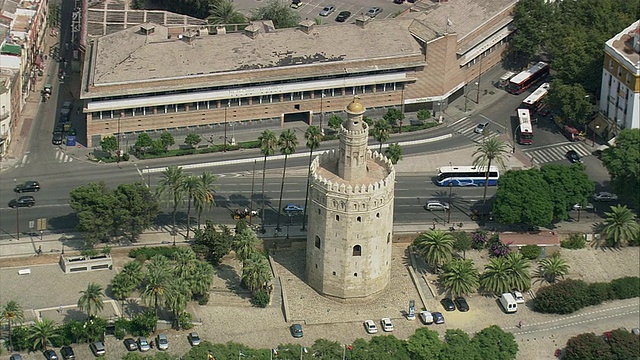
pixel 350 215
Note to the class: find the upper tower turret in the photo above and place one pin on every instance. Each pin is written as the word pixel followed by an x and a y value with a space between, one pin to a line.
pixel 354 133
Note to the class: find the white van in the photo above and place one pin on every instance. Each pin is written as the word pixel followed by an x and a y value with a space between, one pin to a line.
pixel 508 303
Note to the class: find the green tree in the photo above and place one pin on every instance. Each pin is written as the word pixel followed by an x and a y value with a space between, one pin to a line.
pixel 156 282
pixel 587 346
pixel 143 142
pixel 571 102
pixel 496 277
pixel 567 185
pixel 120 288
pixel 109 144
pixel 313 135
pixel 192 139
pixel 137 209
pixel 457 346
pixel 132 272
pixel 381 132
pixel 157 147
pixel 256 272
pixel 550 269
pixel 42 333
pixel 423 114
pixel 619 227
pixel 622 162
pixel 91 300
pixel 167 140
pixel 192 188
pixel 335 121
pixel 268 143
pixel 277 11
pixel 533 19
pixel 393 115
pixel 460 277
pixel 519 271
pixel 394 153
pixel 177 297
pixel 435 246
pixel 494 343
pixel 201 279
pixel 523 197
pixel 170 189
pixel 185 262
pixel 461 242
pixel 492 150
pixel 245 244
pixel 205 200
pixel 423 344
pixel 379 348
pixel 225 12
pixel 287 143
pixel 211 243
pixel 94 205
pixel 11 313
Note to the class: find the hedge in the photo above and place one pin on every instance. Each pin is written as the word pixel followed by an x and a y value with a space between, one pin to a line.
pixel 145 253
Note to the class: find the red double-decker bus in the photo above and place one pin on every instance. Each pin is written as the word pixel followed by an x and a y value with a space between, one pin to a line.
pixel 525 79
pixel 525 130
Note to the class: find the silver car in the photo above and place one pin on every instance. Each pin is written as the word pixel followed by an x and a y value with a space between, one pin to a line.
pixel 327 10
pixel 436 205
pixel 605 196
pixel 143 345
pixel 163 342
pixel 374 11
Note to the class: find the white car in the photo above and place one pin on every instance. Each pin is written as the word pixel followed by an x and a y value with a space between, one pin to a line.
pixel 481 127
pixel 387 325
pixel 605 196
pixel 370 326
pixel 426 317
pixel 589 206
pixel 374 11
pixel 435 205
pixel 518 296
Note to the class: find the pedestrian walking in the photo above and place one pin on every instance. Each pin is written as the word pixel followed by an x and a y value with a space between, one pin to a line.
pixel 520 324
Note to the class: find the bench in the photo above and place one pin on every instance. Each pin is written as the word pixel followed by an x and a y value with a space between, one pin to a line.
pixel 24 271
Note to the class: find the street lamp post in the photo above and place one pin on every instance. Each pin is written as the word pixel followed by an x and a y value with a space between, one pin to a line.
pixel 253 181
pixel 148 177
pixel 593 141
pixel 224 148
pixel 514 137
pixel 119 152
pixel 450 206
pixel 322 113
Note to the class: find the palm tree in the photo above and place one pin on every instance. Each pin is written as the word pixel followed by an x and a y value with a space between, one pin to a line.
pixel 192 188
pixel 496 278
pixel 245 244
pixel 202 278
pixel 156 282
pixel 435 246
pixel 224 12
pixel 91 300
pixel 314 137
pixel 177 297
pixel 394 153
pixel 185 260
pixel 120 288
pixel 460 277
pixel 206 201
pixel 491 150
pixel 268 143
pixel 619 227
pixel 12 313
pixel 170 186
pixel 381 132
pixel 519 271
pixel 256 272
pixel 549 269
pixel 41 334
pixel 132 272
pixel 288 142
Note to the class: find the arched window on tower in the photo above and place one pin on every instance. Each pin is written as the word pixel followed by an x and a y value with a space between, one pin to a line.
pixel 318 241
pixel 357 250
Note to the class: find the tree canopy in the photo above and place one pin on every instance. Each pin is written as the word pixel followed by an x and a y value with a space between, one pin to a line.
pixel 623 163
pixel 277 11
pixel 523 197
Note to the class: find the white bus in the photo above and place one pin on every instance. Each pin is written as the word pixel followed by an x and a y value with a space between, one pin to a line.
pixel 466 176
pixel 533 102
pixel 525 130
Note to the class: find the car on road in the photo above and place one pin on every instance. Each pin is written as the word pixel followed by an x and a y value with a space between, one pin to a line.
pixel 50 355
pixel 481 127
pixel 97 348
pixel 65 111
pixel 374 11
pixel 517 295
pixel 130 344
pixel 57 138
pixel 22 201
pixel 573 156
pixel 436 205
pixel 296 330
pixel 143 345
pixel 461 304
pixel 577 207
pixel 343 16
pixel 398 1
pixel 370 326
pixel 292 208
pixel 162 341
pixel 387 325
pixel 67 353
pixel 448 304
pixel 426 317
pixel 296 4
pixel 194 338
pixel 327 10
pixel 605 196
pixel 438 318
pixel 27 186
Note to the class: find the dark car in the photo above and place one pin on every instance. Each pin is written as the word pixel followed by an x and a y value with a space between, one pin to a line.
pixel 447 304
pixel 67 353
pixel 398 1
pixel 573 156
pixel 22 201
pixel 65 111
pixel 438 318
pixel 27 186
pixel 343 16
pixel 50 355
pixel 57 138
pixel 130 344
pixel 296 330
pixel 461 304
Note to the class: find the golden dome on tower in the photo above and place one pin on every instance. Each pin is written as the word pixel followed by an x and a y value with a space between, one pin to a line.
pixel 355 106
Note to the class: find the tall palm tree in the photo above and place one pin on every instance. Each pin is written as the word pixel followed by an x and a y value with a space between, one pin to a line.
pixel 460 277
pixel 435 246
pixel 207 201
pixel 256 272
pixel 185 260
pixel 177 297
pixel 314 137
pixel 394 153
pixel 491 150
pixel 170 187
pixel 496 278
pixel 224 12
pixel 245 244
pixel 91 300
pixel 381 132
pixel 192 187
pixel 41 334
pixel 202 278
pixel 268 143
pixel 287 142
pixel 156 282
pixel 519 271
pixel 550 269
pixel 12 313
pixel 619 227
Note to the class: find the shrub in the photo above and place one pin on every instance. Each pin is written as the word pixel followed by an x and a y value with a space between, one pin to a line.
pixel 531 252
pixel 598 292
pixel 203 299
pixel 184 321
pixel 575 241
pixel 479 238
pixel 626 287
pixel 563 297
pixel 423 114
pixel 149 252
pixel 261 299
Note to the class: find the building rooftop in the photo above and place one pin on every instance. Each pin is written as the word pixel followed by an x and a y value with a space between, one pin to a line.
pixel 627 45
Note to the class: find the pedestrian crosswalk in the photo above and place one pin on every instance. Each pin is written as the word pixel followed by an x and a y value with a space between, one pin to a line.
pixel 61 157
pixel 467 127
pixel 556 152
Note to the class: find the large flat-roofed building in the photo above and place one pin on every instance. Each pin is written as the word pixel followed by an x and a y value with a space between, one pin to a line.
pixel 150 77
pixel 620 93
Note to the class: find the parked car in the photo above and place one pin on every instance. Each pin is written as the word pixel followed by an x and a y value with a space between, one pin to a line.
pixel 374 11
pixel 67 353
pixel 162 341
pixel 22 201
pixel 97 348
pixel 461 304
pixel 27 186
pixel 370 326
pixel 343 16
pixel 589 206
pixel 605 196
pixel 426 317
pixel 398 1
pixel 387 325
pixel 292 208
pixel 573 156
pixel 296 331
pixel 327 10
pixel 65 111
pixel 50 355
pixel 143 345
pixel 15 357
pixel 296 4
pixel 436 205
pixel 438 318
pixel 481 127
pixel 57 138
pixel 194 338
pixel 448 304
pixel 517 295
pixel 130 344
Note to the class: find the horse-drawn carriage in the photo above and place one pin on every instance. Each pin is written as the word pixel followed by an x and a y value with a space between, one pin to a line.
pixel 244 214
